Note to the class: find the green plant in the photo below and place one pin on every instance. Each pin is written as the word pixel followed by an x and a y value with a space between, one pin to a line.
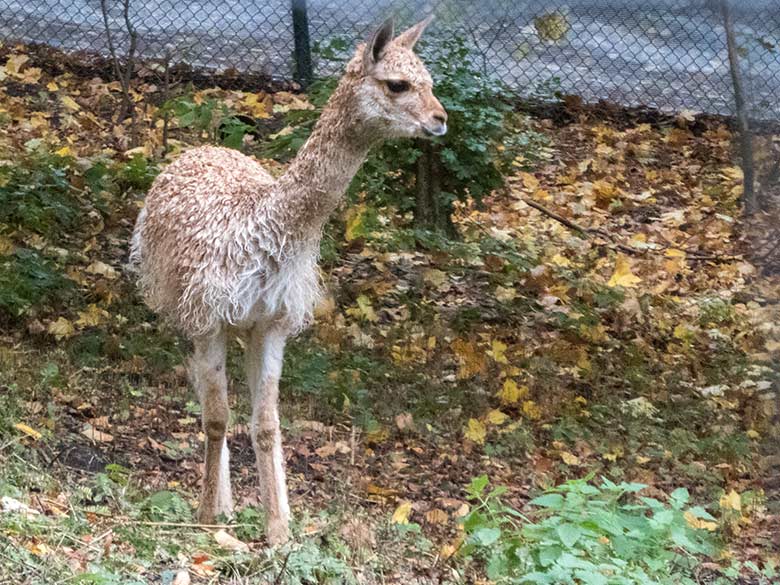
pixel 579 533
pixel 166 506
pixel 36 193
pixel 28 279
pixel 210 118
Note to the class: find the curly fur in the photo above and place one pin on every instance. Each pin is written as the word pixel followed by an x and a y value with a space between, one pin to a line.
pixel 219 241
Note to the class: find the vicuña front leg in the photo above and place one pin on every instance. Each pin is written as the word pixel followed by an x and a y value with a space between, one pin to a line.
pixel 208 374
pixel 264 356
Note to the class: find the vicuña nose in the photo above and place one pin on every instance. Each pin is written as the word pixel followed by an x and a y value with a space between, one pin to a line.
pixel 441 117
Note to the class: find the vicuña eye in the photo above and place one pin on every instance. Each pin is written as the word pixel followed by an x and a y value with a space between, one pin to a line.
pixel 397 86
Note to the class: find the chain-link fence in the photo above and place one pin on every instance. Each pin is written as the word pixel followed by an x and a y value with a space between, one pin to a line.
pixel 668 54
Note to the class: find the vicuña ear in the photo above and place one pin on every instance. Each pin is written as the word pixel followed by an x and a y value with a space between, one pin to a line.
pixel 377 43
pixel 409 37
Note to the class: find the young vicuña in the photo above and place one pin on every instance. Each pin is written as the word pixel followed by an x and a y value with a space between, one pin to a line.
pixel 222 248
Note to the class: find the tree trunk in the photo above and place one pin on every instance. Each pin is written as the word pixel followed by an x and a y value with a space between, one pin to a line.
pixel 745 135
pixel 432 211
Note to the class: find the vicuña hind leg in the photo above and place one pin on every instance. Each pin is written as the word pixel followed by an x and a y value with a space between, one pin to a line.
pixel 264 355
pixel 207 367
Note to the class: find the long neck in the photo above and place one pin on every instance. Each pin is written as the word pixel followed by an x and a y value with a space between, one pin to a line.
pixel 318 177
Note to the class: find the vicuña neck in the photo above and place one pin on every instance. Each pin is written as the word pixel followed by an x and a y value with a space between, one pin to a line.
pixel 319 175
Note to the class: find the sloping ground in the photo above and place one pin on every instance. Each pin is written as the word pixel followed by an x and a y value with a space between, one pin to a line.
pixel 607 314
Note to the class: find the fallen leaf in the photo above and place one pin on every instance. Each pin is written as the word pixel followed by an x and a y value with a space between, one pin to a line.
pixel 569 458
pixel 61 328
pixel 103 269
pixel 498 351
pixel 698 523
pixel 436 516
pixel 230 542
pixel 623 275
pixel 496 417
pixel 404 421
pixel 731 501
pixel 92 317
pixel 531 410
pixel 92 433
pixel 476 431
pixel 28 430
pixel 402 513
pixel 69 103
pixel 472 361
pixel 511 393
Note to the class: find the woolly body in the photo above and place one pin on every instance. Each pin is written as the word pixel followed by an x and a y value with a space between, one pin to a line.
pixel 212 249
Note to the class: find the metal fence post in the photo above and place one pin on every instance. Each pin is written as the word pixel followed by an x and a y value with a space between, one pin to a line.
pixel 303 73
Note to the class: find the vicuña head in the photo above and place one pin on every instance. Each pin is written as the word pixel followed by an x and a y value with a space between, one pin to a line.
pixel 395 90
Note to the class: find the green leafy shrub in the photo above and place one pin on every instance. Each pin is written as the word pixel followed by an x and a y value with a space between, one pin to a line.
pixel 36 194
pixel 166 506
pixel 28 279
pixel 579 533
pixel 209 118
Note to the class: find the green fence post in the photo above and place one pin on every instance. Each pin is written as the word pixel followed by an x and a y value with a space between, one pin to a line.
pixel 303 73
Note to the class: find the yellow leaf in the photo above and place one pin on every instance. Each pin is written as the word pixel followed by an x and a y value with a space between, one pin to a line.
pixel 31 75
pixel 497 351
pixel 447 550
pixel 674 253
pixel 552 26
pixel 731 501
pixel 378 434
pixel 476 431
pixel 559 260
pixel 436 516
pixel 69 103
pixel 570 458
pixel 496 417
pixel 698 523
pixel 682 331
pixel 52 86
pixel 530 182
pixel 505 294
pixel 437 278
pixel 622 275
pixel 6 246
pixel 92 317
pixel 60 328
pixel 38 549
pixel 471 360
pixel 355 217
pixel 402 513
pixel 510 392
pixel 64 151
pixel 15 64
pixel 259 105
pixel 366 310
pixel 531 410
pixel 28 430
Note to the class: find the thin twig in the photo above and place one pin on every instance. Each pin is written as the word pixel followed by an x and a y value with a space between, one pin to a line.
pixel 278 578
pixel 186 524
pixel 691 254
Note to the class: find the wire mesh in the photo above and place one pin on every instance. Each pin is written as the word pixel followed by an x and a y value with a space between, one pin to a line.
pixel 666 54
